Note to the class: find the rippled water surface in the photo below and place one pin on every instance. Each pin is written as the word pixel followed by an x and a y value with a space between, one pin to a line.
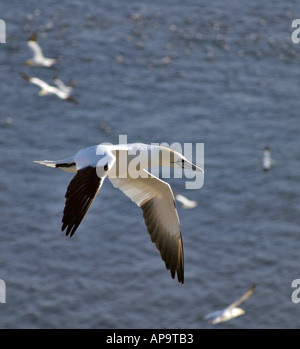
pixel 225 74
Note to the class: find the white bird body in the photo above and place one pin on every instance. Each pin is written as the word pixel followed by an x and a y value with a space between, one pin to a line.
pixel 126 166
pixel 267 160
pixel 38 58
pixel 231 311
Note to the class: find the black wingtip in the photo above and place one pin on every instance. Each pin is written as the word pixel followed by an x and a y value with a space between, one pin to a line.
pixel 180 267
pixel 180 276
pixel 33 37
pixel 72 100
pixel 70 229
pixel 180 279
pixel 179 271
pixel 25 76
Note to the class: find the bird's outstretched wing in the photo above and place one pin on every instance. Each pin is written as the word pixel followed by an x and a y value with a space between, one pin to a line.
pixel 84 187
pixel 80 194
pixel 156 199
pixel 245 296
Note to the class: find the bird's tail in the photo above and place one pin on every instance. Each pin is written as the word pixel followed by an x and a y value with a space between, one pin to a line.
pixel 68 164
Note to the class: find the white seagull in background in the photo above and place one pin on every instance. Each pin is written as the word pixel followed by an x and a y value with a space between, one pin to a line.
pixel 267 160
pixel 154 196
pixel 47 89
pixel 231 311
pixel 186 203
pixel 38 58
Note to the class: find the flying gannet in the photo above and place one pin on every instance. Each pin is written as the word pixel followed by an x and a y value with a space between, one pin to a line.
pixel 231 311
pixel 38 58
pixel 47 89
pixel 153 195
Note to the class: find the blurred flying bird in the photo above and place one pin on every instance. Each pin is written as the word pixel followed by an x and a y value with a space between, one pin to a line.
pixel 38 58
pixel 231 311
pixel 47 89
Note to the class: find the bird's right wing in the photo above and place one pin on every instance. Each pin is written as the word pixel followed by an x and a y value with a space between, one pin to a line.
pixel 156 199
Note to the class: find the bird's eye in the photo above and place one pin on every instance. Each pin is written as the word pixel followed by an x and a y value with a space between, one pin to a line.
pixel 182 163
pixel 105 167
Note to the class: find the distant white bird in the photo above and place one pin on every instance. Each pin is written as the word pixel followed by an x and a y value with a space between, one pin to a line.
pixel 231 311
pixel 267 160
pixel 38 58
pixel 186 203
pixel 154 196
pixel 47 89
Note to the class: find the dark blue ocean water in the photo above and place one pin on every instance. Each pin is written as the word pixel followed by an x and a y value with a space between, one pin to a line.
pixel 222 73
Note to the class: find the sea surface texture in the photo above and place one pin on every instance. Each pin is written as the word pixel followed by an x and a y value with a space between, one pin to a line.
pixel 222 73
